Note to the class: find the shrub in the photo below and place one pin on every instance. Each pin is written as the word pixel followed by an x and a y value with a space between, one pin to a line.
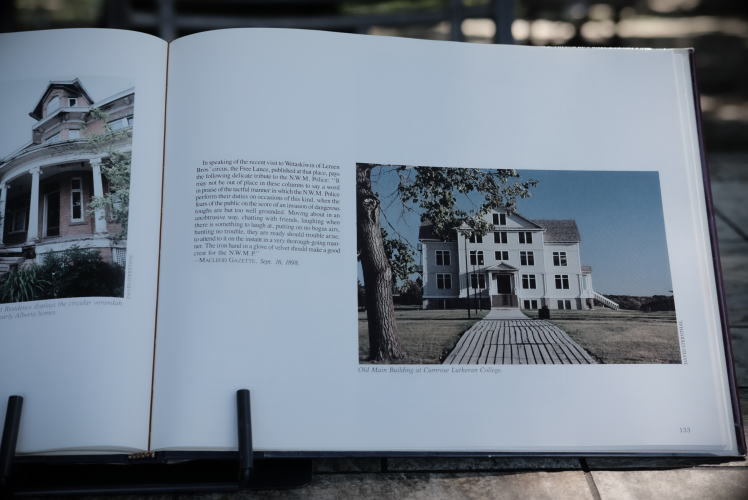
pixel 23 284
pixel 81 273
pixel 71 273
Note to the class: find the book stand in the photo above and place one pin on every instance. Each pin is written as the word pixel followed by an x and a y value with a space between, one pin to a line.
pixel 148 472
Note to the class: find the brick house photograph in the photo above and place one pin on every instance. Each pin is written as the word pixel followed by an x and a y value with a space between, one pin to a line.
pixel 64 190
pixel 479 266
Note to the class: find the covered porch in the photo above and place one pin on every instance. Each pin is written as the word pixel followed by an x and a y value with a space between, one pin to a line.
pixel 498 283
pixel 50 203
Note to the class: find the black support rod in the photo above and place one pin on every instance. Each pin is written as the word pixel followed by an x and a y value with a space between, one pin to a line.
pixel 10 438
pixel 244 427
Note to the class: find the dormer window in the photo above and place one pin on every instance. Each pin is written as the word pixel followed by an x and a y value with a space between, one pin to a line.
pixel 499 219
pixel 52 105
pixel 72 102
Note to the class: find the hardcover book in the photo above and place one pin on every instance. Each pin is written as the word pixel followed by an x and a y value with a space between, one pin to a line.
pixel 398 246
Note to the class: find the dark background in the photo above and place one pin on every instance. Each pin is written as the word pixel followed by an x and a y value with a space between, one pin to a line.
pixel 717 29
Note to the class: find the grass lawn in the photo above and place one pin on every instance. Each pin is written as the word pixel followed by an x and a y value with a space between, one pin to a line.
pixel 623 336
pixel 426 335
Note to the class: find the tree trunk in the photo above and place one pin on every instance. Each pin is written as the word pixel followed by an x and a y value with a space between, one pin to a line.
pixel 384 344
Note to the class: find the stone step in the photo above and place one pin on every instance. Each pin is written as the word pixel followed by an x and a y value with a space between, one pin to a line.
pixel 11 260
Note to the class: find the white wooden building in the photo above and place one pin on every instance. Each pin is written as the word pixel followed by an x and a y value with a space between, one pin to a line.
pixel 521 263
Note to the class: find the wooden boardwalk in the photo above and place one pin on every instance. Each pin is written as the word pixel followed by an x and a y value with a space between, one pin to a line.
pixel 512 342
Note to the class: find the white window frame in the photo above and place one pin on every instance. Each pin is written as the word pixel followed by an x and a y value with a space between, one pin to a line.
pixel 120 123
pixel 531 304
pixel 443 256
pixel 475 238
pixel 564 304
pixel 559 259
pixel 444 281
pixel 529 282
pixel 72 206
pixel 500 237
pixel 72 102
pixel 476 258
pixel 563 279
pixel 525 237
pixel 50 109
pixel 501 255
pixel 527 258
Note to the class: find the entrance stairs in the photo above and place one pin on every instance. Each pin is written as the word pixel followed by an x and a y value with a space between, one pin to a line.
pixel 505 313
pixel 10 259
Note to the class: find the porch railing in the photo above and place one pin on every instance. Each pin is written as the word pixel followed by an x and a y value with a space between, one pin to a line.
pixel 606 301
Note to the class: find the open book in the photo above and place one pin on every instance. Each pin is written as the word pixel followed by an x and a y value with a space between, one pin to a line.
pixel 396 245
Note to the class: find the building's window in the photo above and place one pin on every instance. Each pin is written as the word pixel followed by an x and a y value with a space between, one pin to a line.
pixel 476 257
pixel 499 220
pixel 499 237
pixel 475 238
pixel 564 304
pixel 76 200
pixel 501 255
pixel 478 281
pixel 72 102
pixel 52 105
pixel 562 281
pixel 74 133
pixel 559 258
pixel 443 281
pixel 53 138
pixel 121 123
pixel 442 258
pixel 528 281
pixel 17 220
pixel 525 237
pixel 531 304
pixel 527 258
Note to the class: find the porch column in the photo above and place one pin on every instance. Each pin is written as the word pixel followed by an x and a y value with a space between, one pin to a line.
pixel 98 188
pixel 32 235
pixel 3 195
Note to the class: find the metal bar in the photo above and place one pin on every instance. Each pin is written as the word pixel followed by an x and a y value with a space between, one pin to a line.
pixel 167 20
pixel 199 22
pixel 503 17
pixel 244 428
pixel 9 440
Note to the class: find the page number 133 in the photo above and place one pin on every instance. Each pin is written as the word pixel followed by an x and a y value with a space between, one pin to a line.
pixel 685 430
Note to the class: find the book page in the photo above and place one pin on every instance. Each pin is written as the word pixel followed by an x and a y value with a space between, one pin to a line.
pixel 403 245
pixel 80 191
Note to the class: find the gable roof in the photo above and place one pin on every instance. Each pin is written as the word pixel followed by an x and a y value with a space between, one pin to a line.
pixel 426 233
pixel 559 230
pixel 74 86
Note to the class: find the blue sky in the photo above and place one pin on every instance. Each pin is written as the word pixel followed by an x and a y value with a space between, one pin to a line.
pixel 619 215
pixel 18 98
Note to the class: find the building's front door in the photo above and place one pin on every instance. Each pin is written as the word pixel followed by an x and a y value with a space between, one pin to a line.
pixel 504 291
pixel 503 283
pixel 52 215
